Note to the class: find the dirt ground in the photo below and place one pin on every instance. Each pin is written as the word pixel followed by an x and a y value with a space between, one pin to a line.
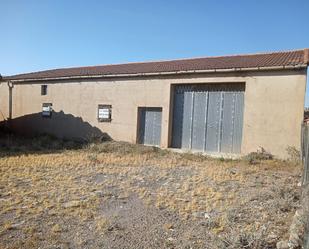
pixel 116 195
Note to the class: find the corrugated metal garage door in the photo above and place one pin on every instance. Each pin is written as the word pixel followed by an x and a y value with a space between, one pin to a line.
pixel 150 125
pixel 208 117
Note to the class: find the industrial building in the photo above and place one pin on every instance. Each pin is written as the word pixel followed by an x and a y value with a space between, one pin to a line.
pixel 218 105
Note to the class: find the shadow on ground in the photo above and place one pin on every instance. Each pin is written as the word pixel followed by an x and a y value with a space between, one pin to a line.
pixel 33 133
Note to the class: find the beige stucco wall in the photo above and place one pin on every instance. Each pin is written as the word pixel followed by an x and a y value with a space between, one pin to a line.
pixel 4 101
pixel 273 111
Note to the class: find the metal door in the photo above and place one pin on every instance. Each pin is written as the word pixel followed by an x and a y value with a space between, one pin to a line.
pixel 150 125
pixel 208 117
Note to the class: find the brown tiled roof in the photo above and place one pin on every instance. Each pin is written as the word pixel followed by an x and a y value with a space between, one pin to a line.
pixel 250 61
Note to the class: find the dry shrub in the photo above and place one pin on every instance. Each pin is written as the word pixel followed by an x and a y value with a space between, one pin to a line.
pixel 260 155
pixel 242 239
pixel 124 148
pixel 196 157
pixel 294 154
pixel 97 138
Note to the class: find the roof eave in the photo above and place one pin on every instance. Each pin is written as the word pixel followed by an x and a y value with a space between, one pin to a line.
pixel 273 68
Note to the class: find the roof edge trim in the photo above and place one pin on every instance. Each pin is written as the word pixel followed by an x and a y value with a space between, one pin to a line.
pixel 300 66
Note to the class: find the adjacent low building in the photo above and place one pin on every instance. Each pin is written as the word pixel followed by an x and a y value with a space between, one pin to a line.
pixel 227 104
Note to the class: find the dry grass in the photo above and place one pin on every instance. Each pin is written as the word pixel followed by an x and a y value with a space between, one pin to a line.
pixel 102 224
pixel 242 204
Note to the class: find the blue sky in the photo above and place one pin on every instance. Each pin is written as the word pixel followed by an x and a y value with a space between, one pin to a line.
pixel 37 35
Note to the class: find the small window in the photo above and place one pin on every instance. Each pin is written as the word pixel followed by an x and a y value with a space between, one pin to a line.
pixel 105 113
pixel 43 89
pixel 47 110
